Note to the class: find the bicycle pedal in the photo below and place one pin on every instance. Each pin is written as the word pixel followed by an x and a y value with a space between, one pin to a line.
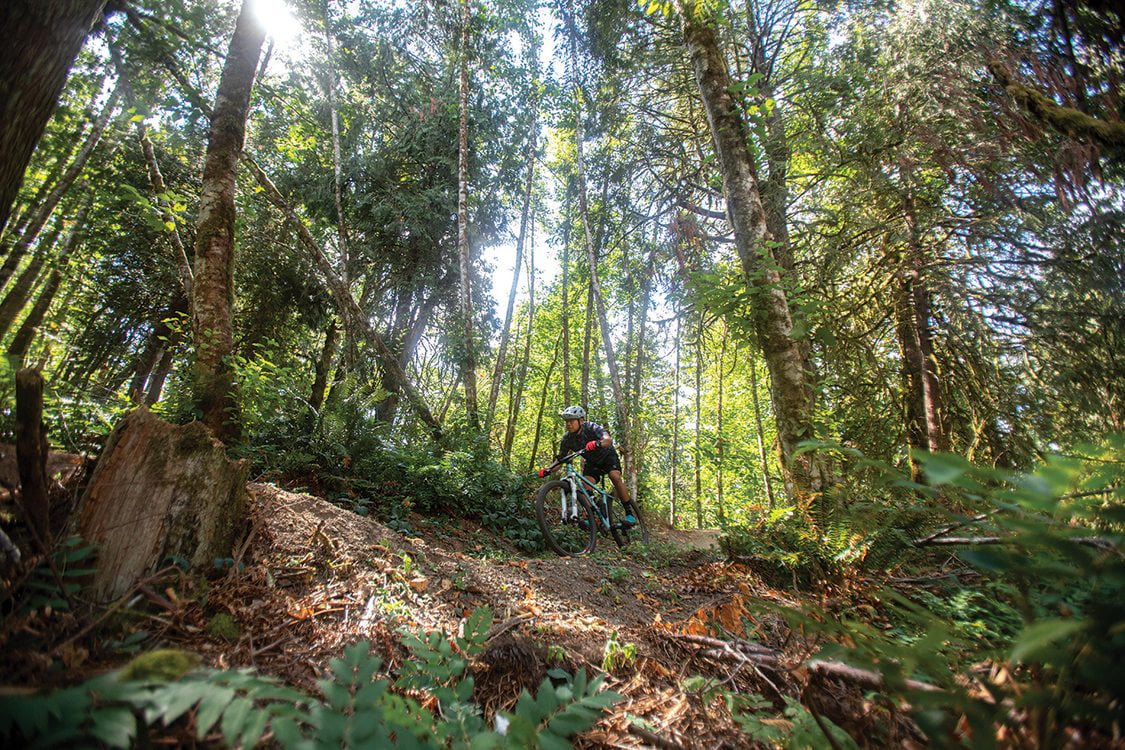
pixel 629 522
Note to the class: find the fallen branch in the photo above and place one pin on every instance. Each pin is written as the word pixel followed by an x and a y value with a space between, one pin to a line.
pixel 748 647
pixel 653 738
pixel 951 527
pixel 840 671
pixel 1086 541
pixel 961 540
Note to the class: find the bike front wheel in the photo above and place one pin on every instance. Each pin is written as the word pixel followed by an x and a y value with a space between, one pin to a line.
pixel 568 530
pixel 625 533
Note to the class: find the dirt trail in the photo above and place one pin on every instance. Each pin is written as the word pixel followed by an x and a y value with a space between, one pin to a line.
pixel 318 577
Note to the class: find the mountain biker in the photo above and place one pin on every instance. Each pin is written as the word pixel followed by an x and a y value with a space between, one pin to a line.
pixel 601 457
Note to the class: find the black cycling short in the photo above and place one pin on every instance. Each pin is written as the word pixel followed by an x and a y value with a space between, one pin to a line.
pixel 602 467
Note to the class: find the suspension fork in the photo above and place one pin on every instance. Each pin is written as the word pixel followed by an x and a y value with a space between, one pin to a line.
pixel 569 504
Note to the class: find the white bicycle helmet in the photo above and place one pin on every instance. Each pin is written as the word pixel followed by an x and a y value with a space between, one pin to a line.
pixel 573 412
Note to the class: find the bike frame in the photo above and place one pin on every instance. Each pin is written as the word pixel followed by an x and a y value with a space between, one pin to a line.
pixel 578 481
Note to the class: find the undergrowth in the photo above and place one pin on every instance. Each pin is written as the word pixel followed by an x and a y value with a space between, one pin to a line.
pixel 1021 631
pixel 358 704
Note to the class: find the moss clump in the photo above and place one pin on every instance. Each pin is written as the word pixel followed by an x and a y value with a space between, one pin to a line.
pixel 223 626
pixel 166 664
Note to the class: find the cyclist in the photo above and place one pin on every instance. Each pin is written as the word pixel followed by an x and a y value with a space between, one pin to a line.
pixel 601 457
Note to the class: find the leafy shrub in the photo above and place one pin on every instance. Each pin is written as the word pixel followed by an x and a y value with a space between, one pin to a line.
pixel 1046 606
pixel 73 560
pixel 355 708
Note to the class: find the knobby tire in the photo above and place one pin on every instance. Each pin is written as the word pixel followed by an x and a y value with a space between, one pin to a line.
pixel 569 538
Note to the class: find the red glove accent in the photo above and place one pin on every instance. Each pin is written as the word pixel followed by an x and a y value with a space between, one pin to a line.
pixel 542 473
pixel 591 445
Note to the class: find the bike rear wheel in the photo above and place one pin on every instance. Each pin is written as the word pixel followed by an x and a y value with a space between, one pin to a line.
pixel 624 534
pixel 568 535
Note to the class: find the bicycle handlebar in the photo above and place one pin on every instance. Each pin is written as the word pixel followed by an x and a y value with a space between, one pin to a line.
pixel 564 460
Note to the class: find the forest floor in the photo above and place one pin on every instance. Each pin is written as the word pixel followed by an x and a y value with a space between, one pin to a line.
pixel 313 577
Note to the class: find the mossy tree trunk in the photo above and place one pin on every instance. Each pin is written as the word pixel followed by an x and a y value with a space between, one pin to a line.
pixel 214 240
pixel 160 493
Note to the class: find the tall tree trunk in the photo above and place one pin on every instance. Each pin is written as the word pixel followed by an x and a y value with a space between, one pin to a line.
pixel 21 342
pixel 43 38
pixel 672 494
pixel 587 347
pixel 760 432
pixel 213 379
pixel 18 220
pixel 720 441
pixel 19 292
pixel 793 406
pixel 636 439
pixel 591 253
pixel 323 367
pixel 924 428
pixel 503 350
pixel 698 452
pixel 565 313
pixel 44 210
pixel 513 417
pixel 469 361
pixel 542 408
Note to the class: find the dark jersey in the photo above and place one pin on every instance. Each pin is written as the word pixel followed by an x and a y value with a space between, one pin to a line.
pixel 599 461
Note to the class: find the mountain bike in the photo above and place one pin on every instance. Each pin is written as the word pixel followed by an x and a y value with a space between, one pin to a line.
pixel 572 510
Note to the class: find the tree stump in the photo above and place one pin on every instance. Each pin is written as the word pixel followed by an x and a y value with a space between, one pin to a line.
pixel 160 493
pixel 31 456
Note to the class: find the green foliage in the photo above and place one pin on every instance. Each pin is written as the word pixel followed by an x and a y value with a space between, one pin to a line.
pixel 74 561
pixel 355 706
pixel 1046 604
pixel 617 654
pixel 511 516
pixel 797 727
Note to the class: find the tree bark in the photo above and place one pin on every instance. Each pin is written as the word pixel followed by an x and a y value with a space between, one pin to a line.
pixel 792 396
pixel 699 425
pixel 762 457
pixel 469 359
pixel 45 209
pixel 924 428
pixel 31 456
pixel 43 38
pixel 20 291
pixel 160 491
pixel 673 460
pixel 565 312
pixel 513 417
pixel 21 342
pixel 213 379
pixel 323 366
pixel 591 256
